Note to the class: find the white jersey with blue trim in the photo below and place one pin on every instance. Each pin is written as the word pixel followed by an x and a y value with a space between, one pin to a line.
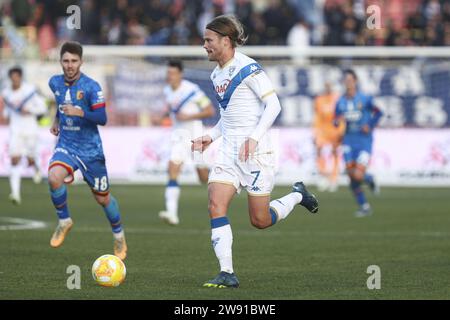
pixel 188 98
pixel 24 98
pixel 241 85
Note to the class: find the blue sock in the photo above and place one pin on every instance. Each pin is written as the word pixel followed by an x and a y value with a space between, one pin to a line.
pixel 273 215
pixel 368 178
pixel 219 222
pixel 172 183
pixel 59 199
pixel 113 214
pixel 358 192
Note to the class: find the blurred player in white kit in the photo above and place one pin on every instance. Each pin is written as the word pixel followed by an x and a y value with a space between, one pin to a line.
pixel 187 105
pixel 21 106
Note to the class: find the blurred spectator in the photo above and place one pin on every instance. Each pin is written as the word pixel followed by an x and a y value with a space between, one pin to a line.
pixel 182 22
pixel 299 37
pixel 279 18
pixel 136 33
pixel 21 11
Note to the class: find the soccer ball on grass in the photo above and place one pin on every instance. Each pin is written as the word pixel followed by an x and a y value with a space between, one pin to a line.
pixel 109 271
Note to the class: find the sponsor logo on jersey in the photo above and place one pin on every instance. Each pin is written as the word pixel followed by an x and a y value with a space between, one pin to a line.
pixel 69 125
pixel 221 88
pixel 255 188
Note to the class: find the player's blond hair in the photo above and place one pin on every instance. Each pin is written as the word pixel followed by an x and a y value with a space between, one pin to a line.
pixel 229 26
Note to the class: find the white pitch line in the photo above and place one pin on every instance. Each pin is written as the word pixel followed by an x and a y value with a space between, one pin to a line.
pixel 20 224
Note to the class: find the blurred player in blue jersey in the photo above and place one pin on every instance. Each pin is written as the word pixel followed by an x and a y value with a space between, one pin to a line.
pixel 80 109
pixel 360 116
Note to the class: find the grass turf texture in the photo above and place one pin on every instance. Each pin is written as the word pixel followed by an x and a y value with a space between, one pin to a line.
pixel 323 256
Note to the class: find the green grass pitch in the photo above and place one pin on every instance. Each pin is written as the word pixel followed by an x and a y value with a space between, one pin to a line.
pixel 323 256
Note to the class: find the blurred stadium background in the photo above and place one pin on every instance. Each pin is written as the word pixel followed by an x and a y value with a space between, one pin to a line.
pixel 404 64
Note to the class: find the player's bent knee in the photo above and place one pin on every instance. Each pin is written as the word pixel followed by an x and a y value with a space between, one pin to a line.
pixel 258 224
pixel 102 200
pixel 54 180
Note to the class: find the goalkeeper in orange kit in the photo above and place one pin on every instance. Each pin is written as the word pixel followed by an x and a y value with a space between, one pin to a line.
pixel 326 134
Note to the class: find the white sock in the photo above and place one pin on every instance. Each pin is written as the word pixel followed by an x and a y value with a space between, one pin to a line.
pixel 14 180
pixel 222 240
pixel 172 195
pixel 119 235
pixel 284 205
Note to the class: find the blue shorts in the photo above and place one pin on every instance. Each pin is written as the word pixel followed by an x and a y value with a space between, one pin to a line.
pixel 94 171
pixel 359 153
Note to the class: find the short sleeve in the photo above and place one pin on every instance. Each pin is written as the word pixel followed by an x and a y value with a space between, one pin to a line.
pixel 52 85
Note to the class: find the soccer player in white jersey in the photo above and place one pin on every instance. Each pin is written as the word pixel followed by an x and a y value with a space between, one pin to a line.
pixel 22 105
pixel 187 105
pixel 248 108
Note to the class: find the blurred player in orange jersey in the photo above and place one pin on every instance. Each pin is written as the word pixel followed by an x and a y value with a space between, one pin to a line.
pixel 326 134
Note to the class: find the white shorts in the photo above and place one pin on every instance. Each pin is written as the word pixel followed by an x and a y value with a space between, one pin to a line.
pixel 23 144
pixel 256 175
pixel 181 152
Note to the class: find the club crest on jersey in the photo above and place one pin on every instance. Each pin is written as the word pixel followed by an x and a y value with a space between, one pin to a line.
pixel 80 95
pixel 231 70
pixel 360 106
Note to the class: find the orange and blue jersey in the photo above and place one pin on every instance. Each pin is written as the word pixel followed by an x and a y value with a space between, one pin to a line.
pixel 80 135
